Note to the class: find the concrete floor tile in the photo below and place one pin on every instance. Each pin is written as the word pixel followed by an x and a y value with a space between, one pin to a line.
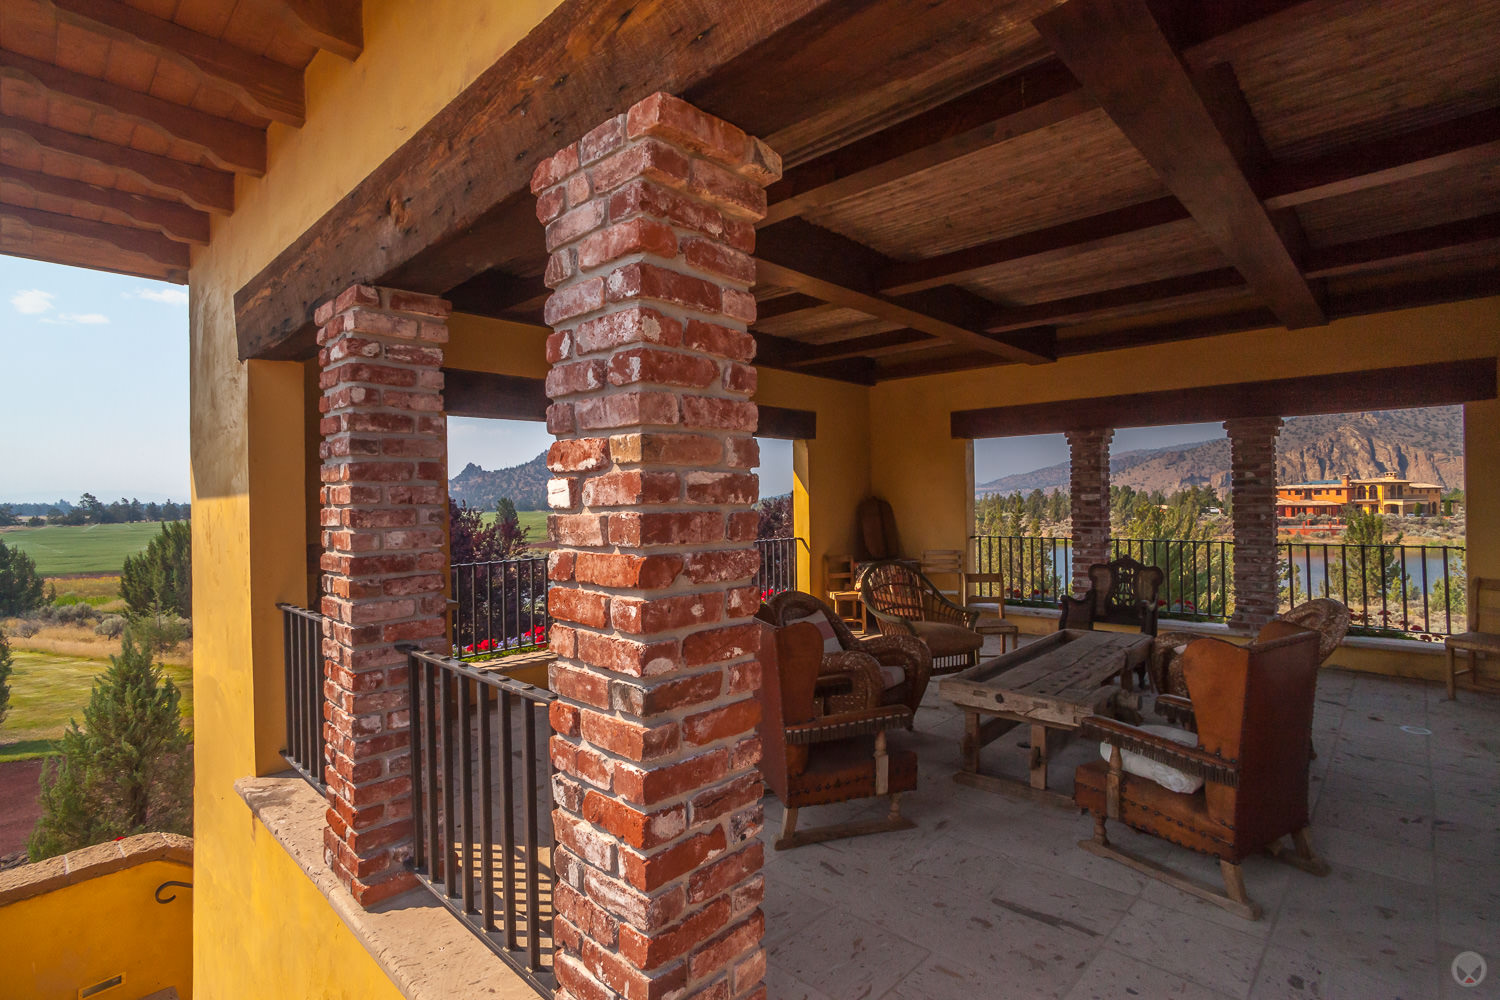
pixel 1348 849
pixel 1413 829
pixel 845 957
pixel 1347 763
pixel 1185 945
pixel 1361 791
pixel 1355 918
pixel 1113 976
pixel 1291 975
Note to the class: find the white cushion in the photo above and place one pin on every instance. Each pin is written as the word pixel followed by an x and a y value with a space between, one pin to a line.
pixel 1164 775
pixel 891 676
pixel 825 628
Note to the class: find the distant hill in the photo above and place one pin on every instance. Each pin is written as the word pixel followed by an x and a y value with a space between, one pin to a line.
pixel 526 485
pixel 1424 445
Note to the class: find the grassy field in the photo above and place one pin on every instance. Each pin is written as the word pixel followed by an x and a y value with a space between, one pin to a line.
pixel 47 690
pixel 82 548
pixel 534 521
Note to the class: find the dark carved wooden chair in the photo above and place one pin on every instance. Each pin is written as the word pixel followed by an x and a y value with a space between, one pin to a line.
pixel 856 673
pixel 1253 707
pixel 1121 592
pixel 904 602
pixel 810 760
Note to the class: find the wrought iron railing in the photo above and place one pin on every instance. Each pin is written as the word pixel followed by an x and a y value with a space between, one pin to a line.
pixel 302 654
pixel 483 834
pixel 499 606
pixel 1412 591
pixel 1395 590
pixel 778 565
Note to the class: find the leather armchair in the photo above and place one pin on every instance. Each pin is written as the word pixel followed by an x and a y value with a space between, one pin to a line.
pixel 861 673
pixel 1254 707
pixel 809 760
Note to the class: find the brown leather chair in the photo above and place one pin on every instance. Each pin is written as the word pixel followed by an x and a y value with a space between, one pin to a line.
pixel 904 602
pixel 1122 592
pixel 810 760
pixel 1323 615
pixel 1254 707
pixel 856 673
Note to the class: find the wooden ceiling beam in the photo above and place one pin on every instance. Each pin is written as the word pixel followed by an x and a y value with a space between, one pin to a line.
pixel 168 253
pixel 1119 52
pixel 837 270
pixel 19 240
pixel 265 87
pixel 201 187
pixel 169 217
pixel 499 295
pixel 1028 101
pixel 1204 286
pixel 870 346
pixel 229 144
pixel 786 305
pixel 1411 247
pixel 335 26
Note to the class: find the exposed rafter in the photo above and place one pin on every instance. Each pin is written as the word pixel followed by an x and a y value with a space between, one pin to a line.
pixel 1208 285
pixel 332 25
pixel 835 269
pixel 263 86
pixel 202 187
pixel 168 253
pixel 1381 252
pixel 229 144
pixel 171 218
pixel 1119 52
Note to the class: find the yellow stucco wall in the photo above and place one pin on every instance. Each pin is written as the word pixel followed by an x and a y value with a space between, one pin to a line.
pixel 250 525
pixel 127 932
pixel 925 474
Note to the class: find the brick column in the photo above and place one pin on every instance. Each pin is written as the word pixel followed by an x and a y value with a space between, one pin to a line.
pixel 650 225
pixel 1089 488
pixel 384 560
pixel 1252 485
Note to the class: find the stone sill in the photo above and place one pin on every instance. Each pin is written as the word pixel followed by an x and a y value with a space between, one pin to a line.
pixel 425 950
pixel 25 881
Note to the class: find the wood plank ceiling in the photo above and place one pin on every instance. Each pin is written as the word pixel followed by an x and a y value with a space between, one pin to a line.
pixel 982 183
pixel 124 124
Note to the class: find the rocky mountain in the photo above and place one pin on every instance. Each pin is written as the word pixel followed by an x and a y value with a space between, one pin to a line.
pixel 1423 444
pixel 526 485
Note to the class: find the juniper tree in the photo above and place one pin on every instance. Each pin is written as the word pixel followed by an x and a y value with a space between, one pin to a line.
pixel 161 577
pixel 5 668
pixel 126 770
pixel 20 584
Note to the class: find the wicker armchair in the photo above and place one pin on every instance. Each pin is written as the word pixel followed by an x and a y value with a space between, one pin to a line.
pixel 904 602
pixel 856 673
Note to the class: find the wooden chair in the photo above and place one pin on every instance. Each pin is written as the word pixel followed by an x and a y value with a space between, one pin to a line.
pixel 904 602
pixel 809 761
pixel 1483 631
pixel 991 607
pixel 945 566
pixel 1254 708
pixel 1123 592
pixel 856 673
pixel 843 593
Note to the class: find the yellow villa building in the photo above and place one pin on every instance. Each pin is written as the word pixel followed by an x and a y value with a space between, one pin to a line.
pixel 881 229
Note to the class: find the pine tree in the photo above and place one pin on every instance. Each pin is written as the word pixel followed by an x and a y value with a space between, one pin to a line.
pixel 126 770
pixel 5 668
pixel 20 584
pixel 161 578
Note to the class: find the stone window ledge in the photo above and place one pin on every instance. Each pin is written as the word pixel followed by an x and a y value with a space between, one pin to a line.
pixel 40 877
pixel 426 951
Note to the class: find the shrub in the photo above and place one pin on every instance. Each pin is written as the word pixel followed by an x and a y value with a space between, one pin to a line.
pixel 162 576
pixel 69 614
pixel 24 629
pixel 20 586
pixel 110 626
pixel 159 631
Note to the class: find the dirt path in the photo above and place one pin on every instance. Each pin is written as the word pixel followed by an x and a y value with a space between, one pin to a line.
pixel 19 808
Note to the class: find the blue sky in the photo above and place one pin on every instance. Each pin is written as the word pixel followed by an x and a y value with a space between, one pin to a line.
pixel 94 396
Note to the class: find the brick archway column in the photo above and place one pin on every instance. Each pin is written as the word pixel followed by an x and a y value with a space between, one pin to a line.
pixel 657 801
pixel 384 563
pixel 1088 479
pixel 1252 485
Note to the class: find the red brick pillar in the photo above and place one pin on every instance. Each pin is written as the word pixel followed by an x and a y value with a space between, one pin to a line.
pixel 1252 484
pixel 1089 489
pixel 385 500
pixel 650 225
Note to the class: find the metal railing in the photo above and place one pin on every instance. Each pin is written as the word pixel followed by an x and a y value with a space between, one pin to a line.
pixel 778 565
pixel 468 801
pixel 499 606
pixel 302 651
pixel 1413 591
pixel 1395 590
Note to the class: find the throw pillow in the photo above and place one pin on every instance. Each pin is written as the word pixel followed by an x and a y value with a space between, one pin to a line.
pixel 1164 775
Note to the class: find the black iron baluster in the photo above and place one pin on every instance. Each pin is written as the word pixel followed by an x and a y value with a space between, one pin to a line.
pixel 414 731
pixel 486 811
pixel 436 860
pixel 1426 604
pixel 445 735
pixel 533 907
pixel 507 826
pixel 290 654
pixel 466 789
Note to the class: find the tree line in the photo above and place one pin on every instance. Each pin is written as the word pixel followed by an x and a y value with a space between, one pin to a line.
pixel 91 510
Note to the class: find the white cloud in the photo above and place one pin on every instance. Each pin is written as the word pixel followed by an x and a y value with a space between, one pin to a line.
pixel 32 302
pixel 77 319
pixel 170 296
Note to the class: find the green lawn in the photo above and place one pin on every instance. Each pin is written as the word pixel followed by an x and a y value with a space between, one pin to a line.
pixel 46 691
pixel 534 521
pixel 81 548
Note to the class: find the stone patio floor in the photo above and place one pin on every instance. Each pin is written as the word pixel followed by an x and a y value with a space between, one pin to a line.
pixel 990 897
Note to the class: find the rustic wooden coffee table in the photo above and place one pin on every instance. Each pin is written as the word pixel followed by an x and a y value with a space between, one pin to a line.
pixel 1052 684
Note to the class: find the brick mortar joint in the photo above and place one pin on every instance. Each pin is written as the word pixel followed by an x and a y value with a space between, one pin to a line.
pixel 677 263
